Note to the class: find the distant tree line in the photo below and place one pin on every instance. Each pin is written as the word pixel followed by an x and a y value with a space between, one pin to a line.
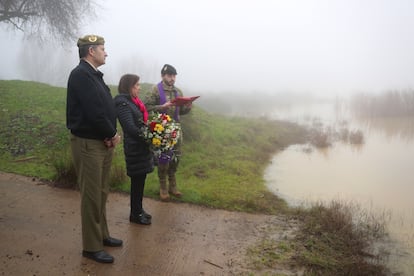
pixel 387 104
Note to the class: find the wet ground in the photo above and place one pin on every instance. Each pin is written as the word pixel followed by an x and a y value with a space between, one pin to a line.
pixel 41 235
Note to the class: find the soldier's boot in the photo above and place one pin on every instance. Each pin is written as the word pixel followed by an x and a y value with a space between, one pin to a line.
pixel 162 175
pixel 173 186
pixel 164 196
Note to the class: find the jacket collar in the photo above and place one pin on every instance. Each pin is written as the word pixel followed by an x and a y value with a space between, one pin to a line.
pixel 88 66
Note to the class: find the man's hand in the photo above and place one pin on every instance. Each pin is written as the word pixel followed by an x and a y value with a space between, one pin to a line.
pixel 167 105
pixel 112 142
pixel 116 140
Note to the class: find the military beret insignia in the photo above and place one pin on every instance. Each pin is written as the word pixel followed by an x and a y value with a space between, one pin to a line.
pixel 91 40
pixel 168 69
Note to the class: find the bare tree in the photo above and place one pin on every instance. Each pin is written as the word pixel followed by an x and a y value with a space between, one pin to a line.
pixel 58 20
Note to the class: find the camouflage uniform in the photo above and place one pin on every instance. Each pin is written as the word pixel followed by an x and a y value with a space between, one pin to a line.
pixel 168 170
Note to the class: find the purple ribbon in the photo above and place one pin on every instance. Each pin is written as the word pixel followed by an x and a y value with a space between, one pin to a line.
pixel 163 100
pixel 165 157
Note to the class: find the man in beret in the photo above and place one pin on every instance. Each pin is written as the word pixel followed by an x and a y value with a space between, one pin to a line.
pixel 91 119
pixel 160 100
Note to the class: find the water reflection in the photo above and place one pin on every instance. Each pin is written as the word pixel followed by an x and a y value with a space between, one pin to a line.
pixel 400 128
pixel 377 174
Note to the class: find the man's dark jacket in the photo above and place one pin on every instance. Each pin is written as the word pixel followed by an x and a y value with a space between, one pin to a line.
pixel 90 111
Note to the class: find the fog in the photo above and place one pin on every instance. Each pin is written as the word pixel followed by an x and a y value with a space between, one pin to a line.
pixel 321 47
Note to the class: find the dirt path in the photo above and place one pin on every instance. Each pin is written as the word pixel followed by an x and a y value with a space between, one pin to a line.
pixel 41 235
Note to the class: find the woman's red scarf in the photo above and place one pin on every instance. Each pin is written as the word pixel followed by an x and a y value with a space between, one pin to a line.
pixel 141 107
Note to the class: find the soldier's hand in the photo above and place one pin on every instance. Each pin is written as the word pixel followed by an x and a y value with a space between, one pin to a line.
pixel 165 106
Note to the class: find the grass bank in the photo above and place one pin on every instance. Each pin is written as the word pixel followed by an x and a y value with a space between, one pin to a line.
pixel 222 167
pixel 335 238
pixel 223 163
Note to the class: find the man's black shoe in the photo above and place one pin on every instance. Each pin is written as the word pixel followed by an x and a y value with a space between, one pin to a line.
pixel 112 242
pixel 140 219
pixel 99 256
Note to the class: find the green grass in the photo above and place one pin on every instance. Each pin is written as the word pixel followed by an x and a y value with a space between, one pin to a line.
pixel 32 134
pixel 337 238
pixel 223 157
pixel 222 167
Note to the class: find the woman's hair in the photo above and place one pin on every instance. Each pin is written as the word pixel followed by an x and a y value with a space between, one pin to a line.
pixel 126 82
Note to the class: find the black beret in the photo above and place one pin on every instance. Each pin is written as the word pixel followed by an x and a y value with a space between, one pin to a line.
pixel 91 40
pixel 168 69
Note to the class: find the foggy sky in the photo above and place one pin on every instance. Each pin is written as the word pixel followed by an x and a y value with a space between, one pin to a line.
pixel 318 46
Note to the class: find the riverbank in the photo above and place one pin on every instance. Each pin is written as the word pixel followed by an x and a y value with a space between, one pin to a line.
pixel 225 158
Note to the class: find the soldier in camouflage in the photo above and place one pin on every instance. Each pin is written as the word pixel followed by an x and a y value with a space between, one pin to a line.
pixel 159 100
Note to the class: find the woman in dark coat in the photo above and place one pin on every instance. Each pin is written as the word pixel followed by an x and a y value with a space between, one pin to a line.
pixel 133 117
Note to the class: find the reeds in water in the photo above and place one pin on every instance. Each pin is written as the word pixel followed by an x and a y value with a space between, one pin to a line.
pixel 390 103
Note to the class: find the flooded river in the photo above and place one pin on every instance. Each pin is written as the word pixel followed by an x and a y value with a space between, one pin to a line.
pixel 378 175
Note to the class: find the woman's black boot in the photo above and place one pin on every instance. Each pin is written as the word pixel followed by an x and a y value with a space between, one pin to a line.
pixel 140 219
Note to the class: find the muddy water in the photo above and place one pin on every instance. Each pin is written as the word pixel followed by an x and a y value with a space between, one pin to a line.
pixel 377 175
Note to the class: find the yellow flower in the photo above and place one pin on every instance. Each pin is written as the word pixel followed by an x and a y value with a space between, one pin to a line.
pixel 162 133
pixel 159 128
pixel 156 141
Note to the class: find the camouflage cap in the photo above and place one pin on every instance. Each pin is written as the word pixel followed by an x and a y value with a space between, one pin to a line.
pixel 168 69
pixel 91 40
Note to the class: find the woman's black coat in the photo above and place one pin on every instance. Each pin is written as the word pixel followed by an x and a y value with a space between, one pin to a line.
pixel 138 156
